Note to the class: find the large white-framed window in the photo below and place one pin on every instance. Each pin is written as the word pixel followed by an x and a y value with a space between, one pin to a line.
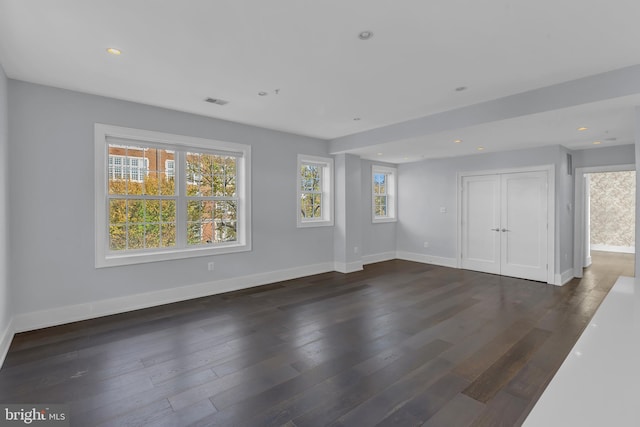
pixel 160 196
pixel 315 191
pixel 384 186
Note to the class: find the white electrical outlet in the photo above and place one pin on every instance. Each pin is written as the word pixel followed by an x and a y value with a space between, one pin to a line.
pixel 356 249
pixel 211 266
pixel 426 244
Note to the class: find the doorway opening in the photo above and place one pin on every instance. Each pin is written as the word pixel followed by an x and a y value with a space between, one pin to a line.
pixel 605 215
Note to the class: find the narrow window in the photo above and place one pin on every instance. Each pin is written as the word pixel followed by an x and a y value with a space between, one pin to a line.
pixel 384 189
pixel 315 191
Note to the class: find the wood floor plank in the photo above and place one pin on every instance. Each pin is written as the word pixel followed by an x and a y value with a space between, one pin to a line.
pixel 459 411
pixel 398 343
pixel 491 381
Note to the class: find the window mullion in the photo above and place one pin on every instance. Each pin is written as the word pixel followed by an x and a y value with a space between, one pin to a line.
pixel 181 202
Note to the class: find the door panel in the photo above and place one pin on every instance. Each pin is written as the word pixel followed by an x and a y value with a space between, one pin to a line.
pixel 481 214
pixel 516 205
pixel 524 225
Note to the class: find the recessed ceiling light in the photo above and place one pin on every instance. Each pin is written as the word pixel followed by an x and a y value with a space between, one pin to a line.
pixel 597 142
pixel 114 51
pixel 461 88
pixel 379 154
pixel 457 141
pixel 480 148
pixel 365 35
pixel 582 128
pixel 262 93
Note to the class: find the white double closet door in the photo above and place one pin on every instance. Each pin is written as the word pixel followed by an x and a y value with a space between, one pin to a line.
pixel 504 224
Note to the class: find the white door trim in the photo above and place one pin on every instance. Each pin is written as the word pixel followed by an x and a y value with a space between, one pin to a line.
pixel 551 212
pixel 579 224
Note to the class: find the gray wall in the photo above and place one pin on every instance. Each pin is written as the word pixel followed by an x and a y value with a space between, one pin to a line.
pixel 52 200
pixel 379 238
pixel 604 156
pixel 429 185
pixel 5 304
pixel 347 235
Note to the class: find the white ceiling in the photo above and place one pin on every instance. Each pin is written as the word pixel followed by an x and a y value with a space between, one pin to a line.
pixel 175 54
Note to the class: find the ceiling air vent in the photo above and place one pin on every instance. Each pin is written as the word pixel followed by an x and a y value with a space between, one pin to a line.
pixel 216 101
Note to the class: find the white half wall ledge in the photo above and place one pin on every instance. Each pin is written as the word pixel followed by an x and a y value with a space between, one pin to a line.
pixel 596 384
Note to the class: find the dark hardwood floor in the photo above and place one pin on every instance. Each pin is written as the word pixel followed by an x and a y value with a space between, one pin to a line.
pixel 399 343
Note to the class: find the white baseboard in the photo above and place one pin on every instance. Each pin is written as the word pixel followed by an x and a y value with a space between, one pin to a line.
pixel 562 279
pixel 77 312
pixel 5 341
pixel 348 267
pixel 384 256
pixel 613 248
pixel 427 259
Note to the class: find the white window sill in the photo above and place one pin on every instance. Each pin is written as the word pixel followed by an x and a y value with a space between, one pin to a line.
pixel 307 224
pixel 383 220
pixel 115 259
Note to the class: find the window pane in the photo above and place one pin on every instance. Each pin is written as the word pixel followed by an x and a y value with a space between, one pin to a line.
pixel 134 187
pixel 151 183
pixel 200 227
pixel 117 186
pixel 152 213
pixel 194 233
pixel 193 169
pixel 117 237
pixel 194 211
pixel 167 184
pixel 225 221
pixel 152 236
pixel 229 186
pixel 136 236
pixel 380 203
pixel 310 178
pixel 117 211
pixel 168 211
pixel 306 205
pixel 168 235
pixel 379 183
pixel 317 206
pixel 135 211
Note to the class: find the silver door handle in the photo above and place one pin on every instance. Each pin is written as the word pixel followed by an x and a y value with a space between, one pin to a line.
pixel 505 230
pixel 495 229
